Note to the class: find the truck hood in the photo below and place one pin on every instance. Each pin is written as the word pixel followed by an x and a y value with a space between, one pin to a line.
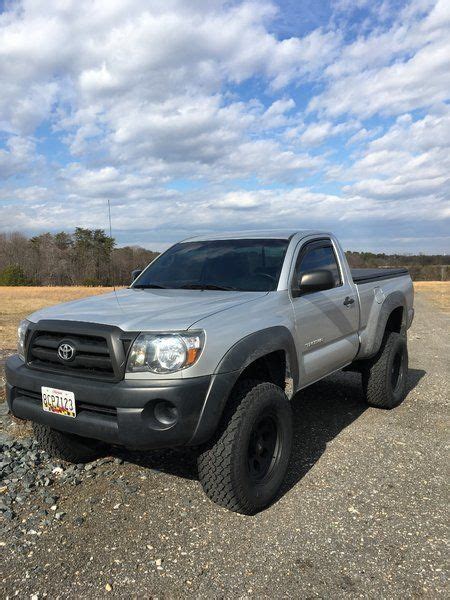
pixel 147 310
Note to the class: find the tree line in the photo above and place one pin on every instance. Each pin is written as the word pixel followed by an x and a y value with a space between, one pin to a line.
pixel 85 257
pixel 89 257
pixel 422 267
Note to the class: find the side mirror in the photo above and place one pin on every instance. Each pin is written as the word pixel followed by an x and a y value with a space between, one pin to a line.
pixel 135 274
pixel 315 281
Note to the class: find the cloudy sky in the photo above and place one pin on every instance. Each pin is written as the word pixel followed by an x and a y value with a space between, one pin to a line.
pixel 196 115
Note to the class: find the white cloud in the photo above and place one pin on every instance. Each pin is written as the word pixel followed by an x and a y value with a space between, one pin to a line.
pixel 320 131
pixel 404 68
pixel 362 135
pixel 18 157
pixel 293 59
pixel 275 116
pixel 32 193
pixel 107 182
pixel 182 214
pixel 143 94
pixel 409 163
pixel 142 82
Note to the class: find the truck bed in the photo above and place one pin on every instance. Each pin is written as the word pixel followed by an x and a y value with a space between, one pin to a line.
pixel 367 275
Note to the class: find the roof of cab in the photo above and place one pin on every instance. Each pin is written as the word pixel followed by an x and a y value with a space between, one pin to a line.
pixel 280 234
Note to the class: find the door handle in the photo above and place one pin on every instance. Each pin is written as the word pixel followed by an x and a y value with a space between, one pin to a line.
pixel 349 301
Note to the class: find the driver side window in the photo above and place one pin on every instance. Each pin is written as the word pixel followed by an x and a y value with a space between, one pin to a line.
pixel 318 257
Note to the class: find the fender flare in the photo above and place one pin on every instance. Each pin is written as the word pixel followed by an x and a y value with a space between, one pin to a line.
pixel 257 345
pixel 233 363
pixel 377 327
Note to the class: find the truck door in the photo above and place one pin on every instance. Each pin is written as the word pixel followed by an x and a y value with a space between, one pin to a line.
pixel 326 321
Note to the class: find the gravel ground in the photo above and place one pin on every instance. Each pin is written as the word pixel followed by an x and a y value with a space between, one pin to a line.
pixel 363 513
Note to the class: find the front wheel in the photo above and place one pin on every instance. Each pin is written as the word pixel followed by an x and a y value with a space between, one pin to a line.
pixel 385 377
pixel 242 469
pixel 67 446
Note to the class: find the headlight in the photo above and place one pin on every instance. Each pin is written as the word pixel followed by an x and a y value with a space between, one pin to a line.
pixel 164 353
pixel 21 333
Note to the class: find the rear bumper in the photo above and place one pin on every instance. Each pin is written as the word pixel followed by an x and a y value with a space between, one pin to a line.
pixel 118 413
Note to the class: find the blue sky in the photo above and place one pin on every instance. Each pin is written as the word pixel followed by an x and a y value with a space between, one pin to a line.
pixel 194 116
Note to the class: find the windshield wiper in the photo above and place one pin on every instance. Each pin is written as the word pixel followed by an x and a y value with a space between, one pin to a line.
pixel 206 286
pixel 145 286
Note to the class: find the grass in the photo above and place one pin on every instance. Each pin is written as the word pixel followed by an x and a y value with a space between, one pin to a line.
pixel 438 292
pixel 18 302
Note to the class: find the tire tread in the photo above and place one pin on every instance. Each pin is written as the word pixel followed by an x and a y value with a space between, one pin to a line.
pixel 215 461
pixel 69 448
pixel 375 376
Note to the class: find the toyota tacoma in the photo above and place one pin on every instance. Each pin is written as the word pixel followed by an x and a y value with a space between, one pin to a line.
pixel 206 348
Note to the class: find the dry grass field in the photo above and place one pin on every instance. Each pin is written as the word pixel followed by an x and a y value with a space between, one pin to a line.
pixel 17 302
pixel 438 292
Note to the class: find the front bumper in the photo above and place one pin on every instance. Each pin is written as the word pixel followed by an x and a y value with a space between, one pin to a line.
pixel 117 413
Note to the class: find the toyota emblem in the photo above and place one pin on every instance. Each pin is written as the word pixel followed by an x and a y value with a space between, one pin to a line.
pixel 66 351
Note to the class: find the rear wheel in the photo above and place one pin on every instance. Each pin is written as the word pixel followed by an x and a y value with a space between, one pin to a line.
pixel 244 466
pixel 67 446
pixel 385 377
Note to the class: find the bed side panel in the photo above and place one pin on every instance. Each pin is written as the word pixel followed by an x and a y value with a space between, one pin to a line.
pixel 378 300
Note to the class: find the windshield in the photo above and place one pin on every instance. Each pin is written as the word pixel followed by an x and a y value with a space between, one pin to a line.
pixel 246 265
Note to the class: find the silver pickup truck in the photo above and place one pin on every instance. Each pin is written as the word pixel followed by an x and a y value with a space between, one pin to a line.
pixel 205 348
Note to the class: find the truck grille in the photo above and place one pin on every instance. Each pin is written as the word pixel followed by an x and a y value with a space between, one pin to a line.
pixel 99 351
pixel 91 353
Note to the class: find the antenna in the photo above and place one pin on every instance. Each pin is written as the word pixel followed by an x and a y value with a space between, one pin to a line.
pixel 111 265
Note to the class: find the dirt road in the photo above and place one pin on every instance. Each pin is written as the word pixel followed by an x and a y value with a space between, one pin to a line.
pixel 363 512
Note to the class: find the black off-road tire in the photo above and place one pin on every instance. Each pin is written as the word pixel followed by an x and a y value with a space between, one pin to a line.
pixel 244 465
pixel 385 377
pixel 67 446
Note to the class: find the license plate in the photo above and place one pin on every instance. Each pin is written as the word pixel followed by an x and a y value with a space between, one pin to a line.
pixel 60 402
